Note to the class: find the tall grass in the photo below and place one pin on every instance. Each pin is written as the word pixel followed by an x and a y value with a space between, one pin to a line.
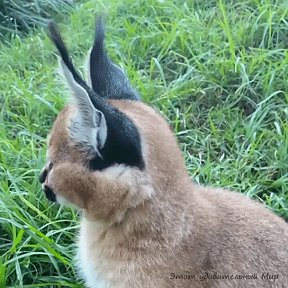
pixel 217 70
pixel 18 16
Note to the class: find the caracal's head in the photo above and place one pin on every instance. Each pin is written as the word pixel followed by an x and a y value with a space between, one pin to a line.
pixel 107 129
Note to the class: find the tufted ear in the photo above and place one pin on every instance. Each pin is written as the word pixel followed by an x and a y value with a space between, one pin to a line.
pixel 107 79
pixel 89 125
pixel 100 125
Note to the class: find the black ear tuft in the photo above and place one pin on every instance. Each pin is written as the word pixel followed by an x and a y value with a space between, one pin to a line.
pixel 121 143
pixel 107 79
pixel 56 38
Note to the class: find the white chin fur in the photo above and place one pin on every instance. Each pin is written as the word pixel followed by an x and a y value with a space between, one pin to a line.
pixel 63 201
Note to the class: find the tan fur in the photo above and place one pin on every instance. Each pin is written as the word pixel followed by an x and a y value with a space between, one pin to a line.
pixel 141 226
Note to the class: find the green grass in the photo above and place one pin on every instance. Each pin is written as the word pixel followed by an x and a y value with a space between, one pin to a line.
pixel 19 16
pixel 216 69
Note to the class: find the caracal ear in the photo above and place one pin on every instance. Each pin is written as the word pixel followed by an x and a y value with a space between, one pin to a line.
pixel 97 123
pixel 89 125
pixel 107 79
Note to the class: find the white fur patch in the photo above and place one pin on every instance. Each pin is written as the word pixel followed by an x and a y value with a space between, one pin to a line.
pixel 85 258
pixel 89 125
pixel 63 201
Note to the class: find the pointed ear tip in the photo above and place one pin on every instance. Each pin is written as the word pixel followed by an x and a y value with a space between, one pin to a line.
pixel 99 22
pixel 100 17
pixel 54 35
pixel 50 22
pixel 52 27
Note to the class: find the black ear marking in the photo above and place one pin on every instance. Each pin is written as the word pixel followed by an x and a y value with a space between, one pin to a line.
pixel 107 79
pixel 123 144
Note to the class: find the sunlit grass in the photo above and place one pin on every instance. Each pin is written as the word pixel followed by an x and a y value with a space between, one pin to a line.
pixel 217 70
